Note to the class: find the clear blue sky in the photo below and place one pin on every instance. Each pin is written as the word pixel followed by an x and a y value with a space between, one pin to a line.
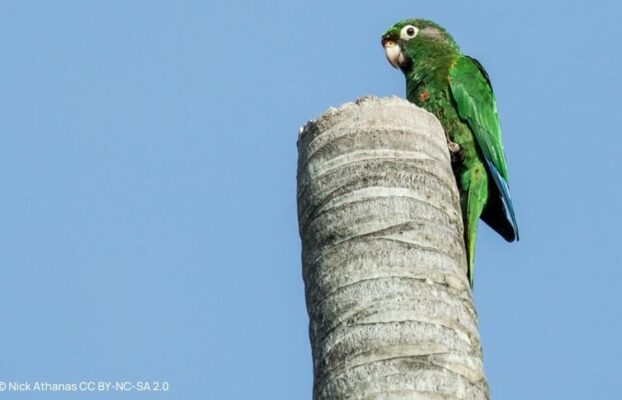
pixel 148 217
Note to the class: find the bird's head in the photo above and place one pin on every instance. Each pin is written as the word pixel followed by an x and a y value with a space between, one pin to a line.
pixel 411 39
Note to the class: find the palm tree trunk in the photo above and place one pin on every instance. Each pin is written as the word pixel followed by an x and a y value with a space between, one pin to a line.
pixel 390 308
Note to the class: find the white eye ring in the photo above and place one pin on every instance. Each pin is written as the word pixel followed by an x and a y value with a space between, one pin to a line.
pixel 408 32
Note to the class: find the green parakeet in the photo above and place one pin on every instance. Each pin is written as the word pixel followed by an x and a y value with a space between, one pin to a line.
pixel 457 89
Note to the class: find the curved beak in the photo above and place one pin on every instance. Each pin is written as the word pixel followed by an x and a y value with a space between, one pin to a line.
pixel 393 51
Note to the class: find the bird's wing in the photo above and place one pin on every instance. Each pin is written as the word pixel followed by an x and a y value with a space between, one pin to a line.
pixel 471 88
pixel 472 91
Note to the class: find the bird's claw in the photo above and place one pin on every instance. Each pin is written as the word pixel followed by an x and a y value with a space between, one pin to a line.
pixel 453 147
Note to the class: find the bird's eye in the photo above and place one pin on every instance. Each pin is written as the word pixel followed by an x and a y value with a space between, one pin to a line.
pixel 408 32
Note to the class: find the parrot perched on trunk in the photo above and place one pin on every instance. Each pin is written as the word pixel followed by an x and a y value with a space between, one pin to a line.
pixel 457 90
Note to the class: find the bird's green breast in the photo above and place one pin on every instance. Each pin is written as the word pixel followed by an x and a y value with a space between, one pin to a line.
pixel 428 86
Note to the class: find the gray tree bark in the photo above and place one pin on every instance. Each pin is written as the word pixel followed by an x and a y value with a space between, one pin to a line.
pixel 390 307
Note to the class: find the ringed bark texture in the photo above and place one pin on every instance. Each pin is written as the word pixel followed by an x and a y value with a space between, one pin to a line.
pixel 390 308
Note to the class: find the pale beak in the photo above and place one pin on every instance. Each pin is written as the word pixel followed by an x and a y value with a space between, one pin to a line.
pixel 394 53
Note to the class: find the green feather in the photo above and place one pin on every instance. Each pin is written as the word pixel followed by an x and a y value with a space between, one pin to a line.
pixel 470 86
pixel 457 89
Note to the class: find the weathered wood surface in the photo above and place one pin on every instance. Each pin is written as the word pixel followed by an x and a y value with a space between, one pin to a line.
pixel 390 308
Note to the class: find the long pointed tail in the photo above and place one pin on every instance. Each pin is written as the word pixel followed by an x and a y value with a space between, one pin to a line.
pixel 475 181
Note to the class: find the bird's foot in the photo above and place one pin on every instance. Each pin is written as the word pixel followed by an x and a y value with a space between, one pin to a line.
pixel 453 147
pixel 454 150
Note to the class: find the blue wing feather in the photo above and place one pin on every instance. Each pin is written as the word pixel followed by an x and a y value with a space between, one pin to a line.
pixel 506 200
pixel 475 100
